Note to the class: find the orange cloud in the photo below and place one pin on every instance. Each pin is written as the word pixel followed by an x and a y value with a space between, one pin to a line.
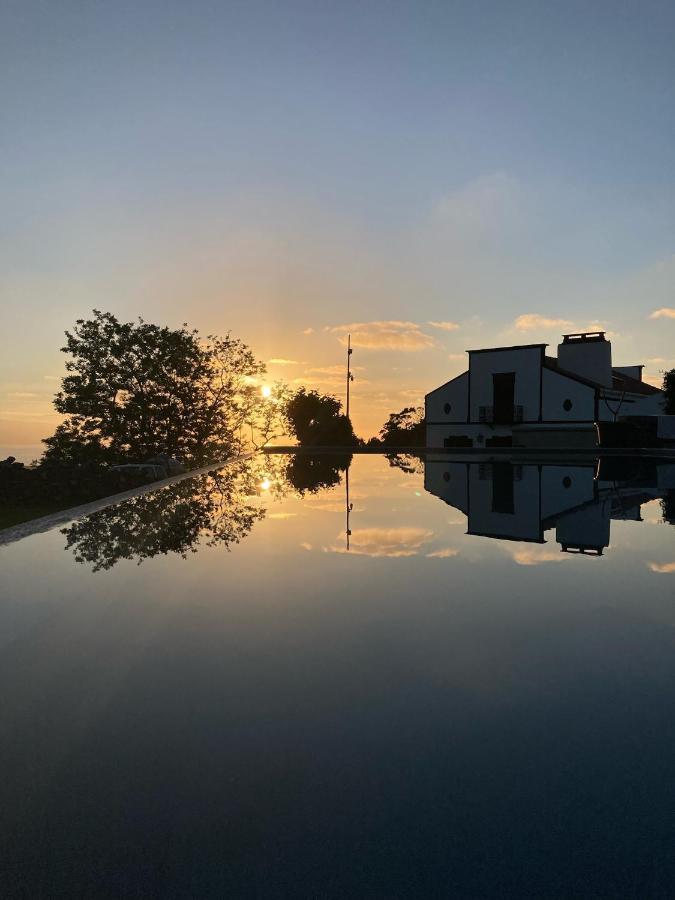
pixel 280 361
pixel 445 553
pixel 444 326
pixel 534 321
pixel 387 542
pixel 666 312
pixel 387 335
pixel 662 568
pixel 536 556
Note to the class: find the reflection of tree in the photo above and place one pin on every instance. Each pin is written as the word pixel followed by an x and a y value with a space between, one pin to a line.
pixel 213 509
pixel 410 463
pixel 310 474
pixel 668 507
pixel 207 510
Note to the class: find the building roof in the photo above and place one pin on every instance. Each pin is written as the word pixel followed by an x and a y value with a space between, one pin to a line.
pixel 515 347
pixel 622 382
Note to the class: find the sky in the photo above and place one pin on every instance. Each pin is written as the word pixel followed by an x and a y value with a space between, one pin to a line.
pixel 431 176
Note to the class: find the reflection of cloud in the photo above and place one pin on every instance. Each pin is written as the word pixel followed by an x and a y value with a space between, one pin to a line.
pixel 444 326
pixel 662 568
pixel 445 553
pixel 281 515
pixel 666 312
pixel 536 555
pixel 388 542
pixel 388 335
pixel 306 546
pixel 533 321
pixel 308 331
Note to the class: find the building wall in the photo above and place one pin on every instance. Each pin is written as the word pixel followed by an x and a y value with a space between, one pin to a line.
pixel 448 403
pixel 557 389
pixel 524 361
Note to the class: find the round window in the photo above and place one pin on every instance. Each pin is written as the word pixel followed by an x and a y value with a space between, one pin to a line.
pixel 567 481
pixel 567 405
pixel 446 476
pixel 447 408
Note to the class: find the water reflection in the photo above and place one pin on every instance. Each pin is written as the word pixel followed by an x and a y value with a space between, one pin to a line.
pixel 504 500
pixel 219 508
pixel 515 501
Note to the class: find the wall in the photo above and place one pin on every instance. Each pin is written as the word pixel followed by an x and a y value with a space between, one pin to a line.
pixel 455 393
pixel 525 362
pixel 556 389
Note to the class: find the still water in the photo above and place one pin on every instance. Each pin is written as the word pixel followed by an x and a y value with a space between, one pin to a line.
pixel 318 677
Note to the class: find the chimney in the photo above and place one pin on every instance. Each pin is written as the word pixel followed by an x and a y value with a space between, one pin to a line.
pixel 587 354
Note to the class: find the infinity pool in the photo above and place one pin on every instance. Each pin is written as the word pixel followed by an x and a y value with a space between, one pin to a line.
pixel 323 677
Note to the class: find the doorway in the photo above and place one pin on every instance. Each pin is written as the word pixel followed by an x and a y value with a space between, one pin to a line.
pixel 503 392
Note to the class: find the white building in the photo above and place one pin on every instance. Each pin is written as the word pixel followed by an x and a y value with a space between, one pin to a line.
pixel 519 396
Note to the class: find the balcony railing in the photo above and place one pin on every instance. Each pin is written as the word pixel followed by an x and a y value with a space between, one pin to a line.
pixel 510 416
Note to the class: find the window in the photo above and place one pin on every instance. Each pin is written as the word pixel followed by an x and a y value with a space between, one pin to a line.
pixel 446 476
pixel 567 405
pixel 447 408
pixel 567 481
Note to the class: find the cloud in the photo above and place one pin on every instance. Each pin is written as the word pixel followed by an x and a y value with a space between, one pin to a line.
pixel 308 331
pixel 444 326
pixel 22 395
pixel 445 553
pixel 385 335
pixel 535 321
pixel 662 568
pixel 385 542
pixel 280 361
pixel 666 312
pixel 536 556
pixel 338 369
pixel 306 546
pixel 455 357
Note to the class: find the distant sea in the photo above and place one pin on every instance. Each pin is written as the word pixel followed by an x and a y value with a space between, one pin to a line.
pixel 24 453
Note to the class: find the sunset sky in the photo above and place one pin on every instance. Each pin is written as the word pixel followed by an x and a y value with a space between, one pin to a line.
pixel 433 177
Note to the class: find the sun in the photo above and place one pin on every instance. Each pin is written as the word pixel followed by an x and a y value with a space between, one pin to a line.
pixel 266 390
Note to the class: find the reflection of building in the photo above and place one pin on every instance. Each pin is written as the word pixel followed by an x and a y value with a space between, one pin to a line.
pixel 520 396
pixel 520 501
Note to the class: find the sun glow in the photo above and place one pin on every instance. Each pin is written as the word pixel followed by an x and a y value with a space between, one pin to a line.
pixel 266 390
pixel 265 484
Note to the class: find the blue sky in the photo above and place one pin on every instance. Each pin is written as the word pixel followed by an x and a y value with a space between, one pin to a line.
pixel 279 167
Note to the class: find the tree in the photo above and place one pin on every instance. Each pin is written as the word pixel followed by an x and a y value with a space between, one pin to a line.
pixel 669 391
pixel 135 389
pixel 406 428
pixel 316 420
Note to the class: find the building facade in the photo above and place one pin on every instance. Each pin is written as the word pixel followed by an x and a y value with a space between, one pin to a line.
pixel 520 396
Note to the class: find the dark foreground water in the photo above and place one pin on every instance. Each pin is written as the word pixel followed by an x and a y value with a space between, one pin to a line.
pixel 475 699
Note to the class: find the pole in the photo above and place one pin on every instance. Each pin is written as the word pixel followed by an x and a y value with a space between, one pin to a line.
pixel 350 506
pixel 350 377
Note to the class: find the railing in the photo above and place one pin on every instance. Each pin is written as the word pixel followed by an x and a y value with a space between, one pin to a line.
pixel 486 414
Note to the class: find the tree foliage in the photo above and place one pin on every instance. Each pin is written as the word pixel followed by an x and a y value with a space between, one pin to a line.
pixel 669 391
pixel 406 428
pixel 135 389
pixel 317 420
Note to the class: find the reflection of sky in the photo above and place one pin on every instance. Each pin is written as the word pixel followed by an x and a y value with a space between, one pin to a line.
pixel 404 699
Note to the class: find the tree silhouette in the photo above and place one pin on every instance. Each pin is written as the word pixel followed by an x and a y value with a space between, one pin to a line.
pixel 136 389
pixel 316 420
pixel 406 428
